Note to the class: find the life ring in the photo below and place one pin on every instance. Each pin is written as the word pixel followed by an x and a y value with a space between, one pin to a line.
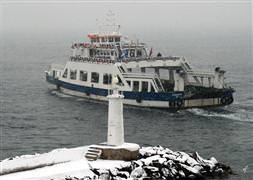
pixel 172 103
pixel 138 99
pixel 223 100
pixel 229 99
pixel 179 103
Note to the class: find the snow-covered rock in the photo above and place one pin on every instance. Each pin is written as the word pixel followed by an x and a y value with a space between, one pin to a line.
pixel 27 162
pixel 163 163
pixel 153 162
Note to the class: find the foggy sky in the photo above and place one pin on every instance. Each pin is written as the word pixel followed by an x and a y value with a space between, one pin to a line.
pixel 199 17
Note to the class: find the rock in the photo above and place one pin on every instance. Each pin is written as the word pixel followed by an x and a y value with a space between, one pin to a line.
pixel 163 163
pixel 150 159
pixel 214 161
pixel 138 173
pixel 123 174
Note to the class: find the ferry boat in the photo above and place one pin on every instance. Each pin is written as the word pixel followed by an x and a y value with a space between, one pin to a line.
pixel 145 79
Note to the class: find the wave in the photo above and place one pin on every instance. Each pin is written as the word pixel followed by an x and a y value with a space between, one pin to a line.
pixel 59 94
pixel 238 115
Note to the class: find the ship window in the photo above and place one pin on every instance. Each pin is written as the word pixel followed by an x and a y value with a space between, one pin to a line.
pixel 103 39
pixel 94 77
pixel 117 39
pixel 73 74
pixel 129 83
pixel 91 52
pixel 139 53
pixel 152 88
pixel 54 73
pixel 132 53
pixel 83 75
pixel 110 39
pixel 136 86
pixel 112 53
pixel 107 79
pixel 65 74
pixel 129 69
pixel 144 85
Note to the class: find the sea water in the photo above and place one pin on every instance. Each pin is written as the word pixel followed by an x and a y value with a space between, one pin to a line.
pixel 36 118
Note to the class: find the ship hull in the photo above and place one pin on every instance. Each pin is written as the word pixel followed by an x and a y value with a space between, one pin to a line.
pixel 171 100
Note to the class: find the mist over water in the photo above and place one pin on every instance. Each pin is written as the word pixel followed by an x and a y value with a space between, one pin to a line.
pixel 35 118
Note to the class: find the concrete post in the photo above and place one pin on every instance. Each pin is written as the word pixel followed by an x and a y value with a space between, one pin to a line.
pixel 115 134
pixel 143 70
pixel 157 71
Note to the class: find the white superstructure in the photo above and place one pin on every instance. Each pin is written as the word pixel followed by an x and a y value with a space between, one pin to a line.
pixel 145 79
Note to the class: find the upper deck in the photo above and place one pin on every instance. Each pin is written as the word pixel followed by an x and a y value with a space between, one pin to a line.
pixel 104 38
pixel 133 61
pixel 110 46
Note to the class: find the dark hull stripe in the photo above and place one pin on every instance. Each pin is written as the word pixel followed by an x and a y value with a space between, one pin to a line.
pixel 127 94
pixel 148 96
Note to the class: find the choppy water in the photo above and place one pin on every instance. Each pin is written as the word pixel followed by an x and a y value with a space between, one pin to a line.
pixel 35 118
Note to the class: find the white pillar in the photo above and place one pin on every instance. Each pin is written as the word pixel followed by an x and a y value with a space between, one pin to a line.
pixel 179 81
pixel 219 78
pixel 115 134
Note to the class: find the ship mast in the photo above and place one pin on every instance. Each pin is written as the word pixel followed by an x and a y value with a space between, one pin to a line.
pixel 109 26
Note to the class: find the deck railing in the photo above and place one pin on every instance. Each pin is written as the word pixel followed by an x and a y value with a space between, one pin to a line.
pixel 126 60
pixel 150 75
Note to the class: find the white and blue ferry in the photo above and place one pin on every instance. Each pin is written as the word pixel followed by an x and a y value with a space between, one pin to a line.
pixel 145 79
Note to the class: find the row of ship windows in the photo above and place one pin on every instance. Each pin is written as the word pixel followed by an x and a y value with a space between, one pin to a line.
pixel 107 79
pixel 103 39
pixel 101 53
pixel 125 52
pixel 142 86
pixel 83 76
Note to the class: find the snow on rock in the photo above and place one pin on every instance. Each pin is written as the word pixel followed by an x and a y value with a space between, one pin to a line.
pixel 153 162
pixel 128 146
pixel 76 168
pixel 27 162
pixel 163 163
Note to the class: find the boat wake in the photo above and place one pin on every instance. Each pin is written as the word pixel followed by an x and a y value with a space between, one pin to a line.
pixel 235 115
pixel 59 94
